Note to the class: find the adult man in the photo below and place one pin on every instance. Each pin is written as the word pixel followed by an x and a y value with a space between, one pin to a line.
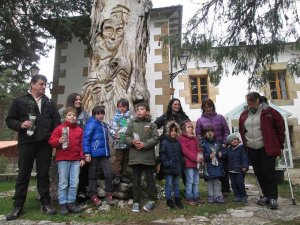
pixel 34 116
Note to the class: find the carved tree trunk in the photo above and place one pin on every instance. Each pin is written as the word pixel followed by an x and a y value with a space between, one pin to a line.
pixel 119 39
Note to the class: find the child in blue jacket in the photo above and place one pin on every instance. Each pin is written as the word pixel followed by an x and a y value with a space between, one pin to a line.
pixel 96 150
pixel 238 165
pixel 212 153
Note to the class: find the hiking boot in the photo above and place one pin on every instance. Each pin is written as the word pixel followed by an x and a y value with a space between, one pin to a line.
pixel 109 199
pixel 149 206
pixel 136 207
pixel 263 201
pixel 14 213
pixel 96 201
pixel 116 181
pixel 178 203
pixel 170 203
pixel 219 199
pixel 273 204
pixel 63 209
pixel 48 209
pixel 190 202
pixel 74 208
pixel 210 199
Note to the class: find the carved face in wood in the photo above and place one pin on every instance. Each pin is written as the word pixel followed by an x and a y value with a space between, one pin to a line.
pixel 113 33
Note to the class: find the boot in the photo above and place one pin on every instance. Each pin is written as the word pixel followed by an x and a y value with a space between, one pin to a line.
pixel 178 203
pixel 15 213
pixel 96 201
pixel 73 208
pixel 63 209
pixel 109 198
pixel 170 203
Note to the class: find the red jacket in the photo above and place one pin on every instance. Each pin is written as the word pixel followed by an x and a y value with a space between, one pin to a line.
pixel 74 150
pixel 190 149
pixel 272 127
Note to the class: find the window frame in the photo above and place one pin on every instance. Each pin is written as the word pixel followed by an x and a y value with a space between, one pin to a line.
pixel 198 77
pixel 278 88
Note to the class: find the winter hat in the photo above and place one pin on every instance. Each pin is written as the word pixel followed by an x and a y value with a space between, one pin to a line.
pixel 231 137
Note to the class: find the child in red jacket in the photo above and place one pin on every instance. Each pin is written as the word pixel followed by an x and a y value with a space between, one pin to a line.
pixel 66 138
pixel 192 154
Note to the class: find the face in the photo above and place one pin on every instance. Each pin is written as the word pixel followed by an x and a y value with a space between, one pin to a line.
pixel 141 112
pixel 209 134
pixel 176 106
pixel 235 142
pixel 77 102
pixel 253 104
pixel 189 128
pixel 208 109
pixel 122 108
pixel 38 88
pixel 113 32
pixel 71 117
pixel 99 116
pixel 173 133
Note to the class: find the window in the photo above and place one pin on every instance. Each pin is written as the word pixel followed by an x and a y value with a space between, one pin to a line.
pixel 199 89
pixel 278 85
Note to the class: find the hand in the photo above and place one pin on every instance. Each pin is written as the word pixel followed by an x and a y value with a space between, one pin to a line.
pixel 26 124
pixel 117 136
pixel 244 170
pixel 82 163
pixel 224 145
pixel 139 145
pixel 157 168
pixel 88 158
pixel 62 139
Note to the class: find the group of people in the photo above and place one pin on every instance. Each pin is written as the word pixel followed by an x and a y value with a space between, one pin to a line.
pixel 83 150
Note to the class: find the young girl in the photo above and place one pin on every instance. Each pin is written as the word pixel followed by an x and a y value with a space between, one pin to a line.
pixel 212 152
pixel 193 155
pixel 171 163
pixel 69 158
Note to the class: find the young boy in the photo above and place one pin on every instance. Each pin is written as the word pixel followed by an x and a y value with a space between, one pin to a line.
pixel 96 149
pixel 141 137
pixel 118 126
pixel 66 138
pixel 238 165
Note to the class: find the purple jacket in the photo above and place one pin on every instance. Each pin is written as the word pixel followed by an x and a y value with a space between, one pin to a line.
pixel 216 121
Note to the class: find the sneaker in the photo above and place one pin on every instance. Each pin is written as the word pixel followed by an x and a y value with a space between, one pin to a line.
pixel 190 202
pixel 273 204
pixel 263 201
pixel 109 199
pixel 219 199
pixel 116 181
pixel 48 209
pixel 149 206
pixel 96 201
pixel 178 203
pixel 210 199
pixel 135 207
pixel 63 209
pixel 73 208
pixel 170 203
pixel 14 213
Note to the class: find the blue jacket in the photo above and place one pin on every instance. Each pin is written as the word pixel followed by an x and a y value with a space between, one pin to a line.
pixel 212 171
pixel 170 155
pixel 95 138
pixel 237 158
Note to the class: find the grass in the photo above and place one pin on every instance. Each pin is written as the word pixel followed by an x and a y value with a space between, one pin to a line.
pixel 32 208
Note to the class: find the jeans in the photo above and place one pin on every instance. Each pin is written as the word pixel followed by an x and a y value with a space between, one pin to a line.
pixel 136 181
pixel 41 152
pixel 264 169
pixel 214 188
pixel 68 179
pixel 238 185
pixel 172 181
pixel 94 172
pixel 192 184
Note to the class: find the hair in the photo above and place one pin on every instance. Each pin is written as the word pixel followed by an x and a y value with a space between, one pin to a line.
pixel 172 125
pixel 37 77
pixel 143 104
pixel 71 99
pixel 98 109
pixel 253 96
pixel 169 109
pixel 183 126
pixel 123 102
pixel 264 99
pixel 70 109
pixel 209 103
pixel 206 129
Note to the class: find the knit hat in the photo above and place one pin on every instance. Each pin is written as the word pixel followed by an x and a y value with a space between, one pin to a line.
pixel 231 137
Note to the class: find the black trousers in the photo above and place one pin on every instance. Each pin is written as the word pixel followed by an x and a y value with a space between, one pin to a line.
pixel 41 152
pixel 136 180
pixel 83 178
pixel 264 169
pixel 225 181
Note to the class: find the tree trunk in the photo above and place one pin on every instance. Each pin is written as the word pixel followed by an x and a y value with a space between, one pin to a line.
pixel 119 39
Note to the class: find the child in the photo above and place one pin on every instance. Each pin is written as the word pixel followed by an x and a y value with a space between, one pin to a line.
pixel 171 163
pixel 238 165
pixel 212 152
pixel 96 149
pixel 118 127
pixel 141 137
pixel 66 138
pixel 193 155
